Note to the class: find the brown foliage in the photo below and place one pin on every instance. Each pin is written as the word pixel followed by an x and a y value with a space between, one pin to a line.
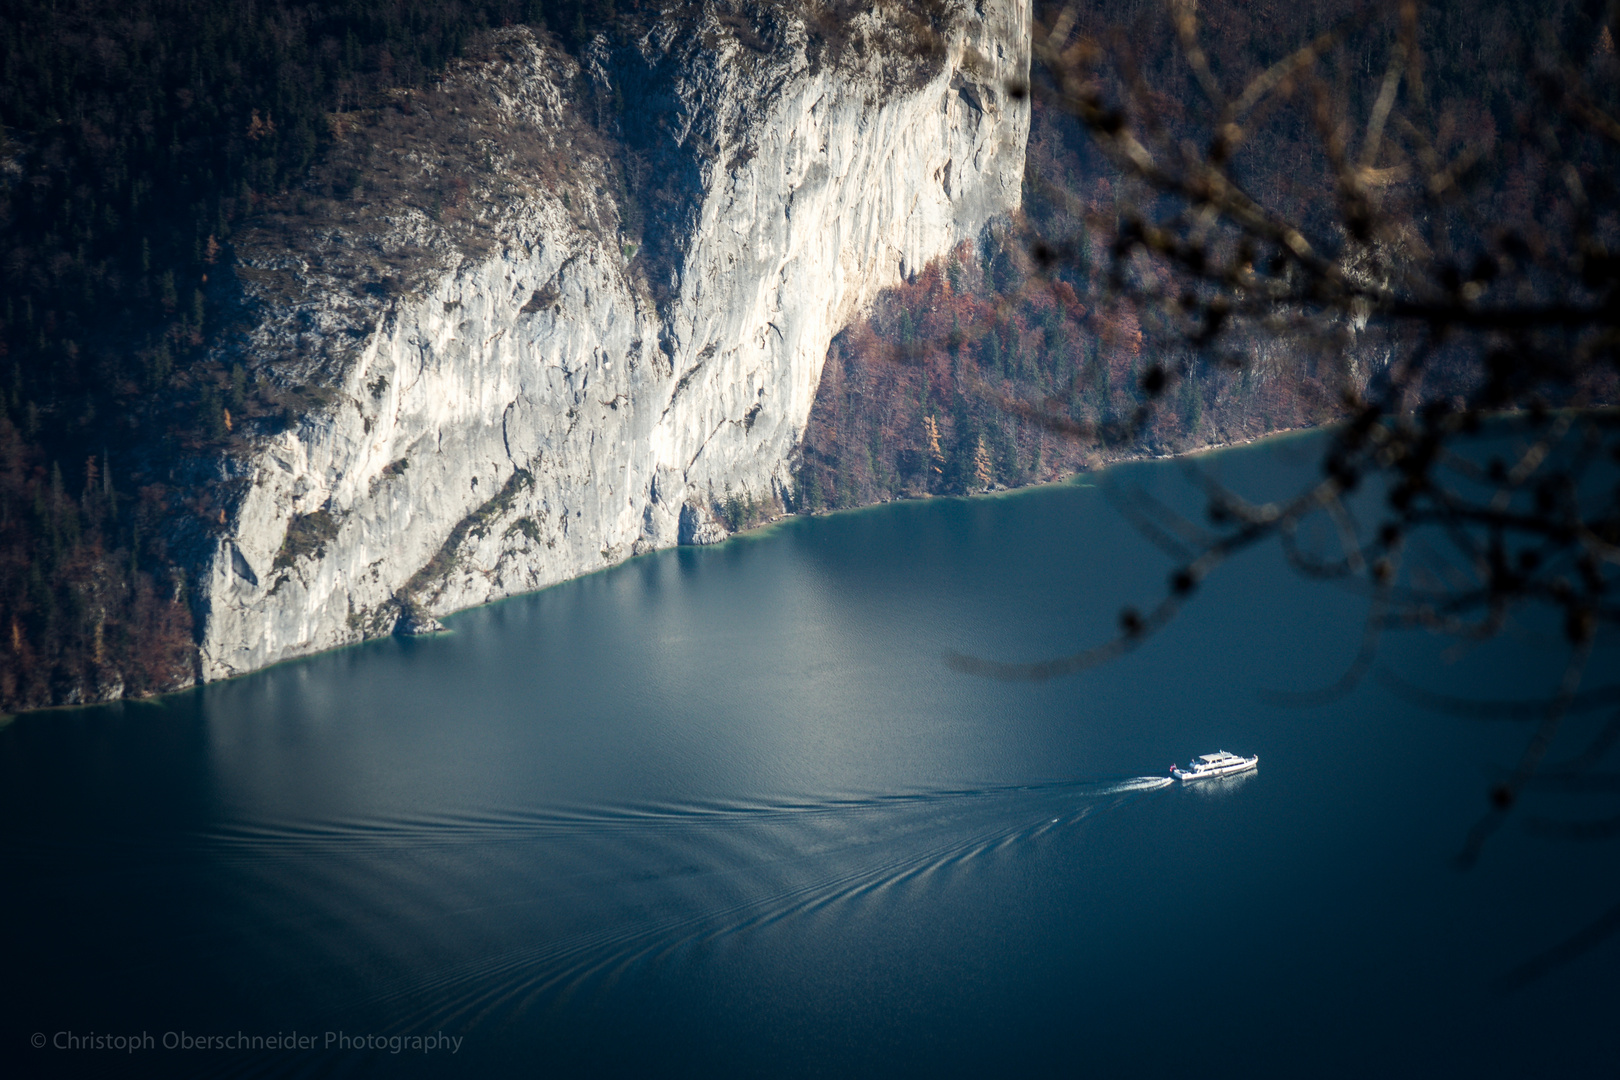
pixel 81 620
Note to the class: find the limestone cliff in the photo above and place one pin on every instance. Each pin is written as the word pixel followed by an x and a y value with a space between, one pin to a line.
pixel 615 331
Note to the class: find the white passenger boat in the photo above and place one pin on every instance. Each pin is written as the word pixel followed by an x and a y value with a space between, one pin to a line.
pixel 1219 763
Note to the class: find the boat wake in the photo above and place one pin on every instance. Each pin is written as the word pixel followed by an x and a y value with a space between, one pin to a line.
pixel 347 838
pixel 718 871
pixel 559 902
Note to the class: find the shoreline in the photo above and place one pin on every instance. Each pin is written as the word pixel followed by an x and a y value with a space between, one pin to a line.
pixel 752 533
pixel 1128 458
pixel 1001 491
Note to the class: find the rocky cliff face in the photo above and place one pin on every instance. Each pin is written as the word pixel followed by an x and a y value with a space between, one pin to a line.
pixel 602 350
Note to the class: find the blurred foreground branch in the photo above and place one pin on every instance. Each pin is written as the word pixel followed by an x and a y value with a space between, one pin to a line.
pixel 1421 231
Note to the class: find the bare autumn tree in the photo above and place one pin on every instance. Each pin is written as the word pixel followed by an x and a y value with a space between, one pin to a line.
pixel 1438 266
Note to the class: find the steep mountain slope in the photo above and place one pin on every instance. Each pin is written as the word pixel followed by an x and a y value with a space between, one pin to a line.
pixel 578 348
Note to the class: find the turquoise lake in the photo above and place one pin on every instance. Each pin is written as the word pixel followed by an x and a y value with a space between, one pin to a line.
pixel 728 812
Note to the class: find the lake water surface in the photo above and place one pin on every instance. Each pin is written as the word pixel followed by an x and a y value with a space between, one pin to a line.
pixel 727 812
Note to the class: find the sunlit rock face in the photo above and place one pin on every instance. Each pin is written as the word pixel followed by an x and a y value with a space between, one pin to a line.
pixel 556 400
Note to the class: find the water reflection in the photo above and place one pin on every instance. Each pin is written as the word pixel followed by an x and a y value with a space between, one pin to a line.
pixel 1222 787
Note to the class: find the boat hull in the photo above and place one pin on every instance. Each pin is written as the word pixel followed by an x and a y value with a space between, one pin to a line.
pixel 1243 766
